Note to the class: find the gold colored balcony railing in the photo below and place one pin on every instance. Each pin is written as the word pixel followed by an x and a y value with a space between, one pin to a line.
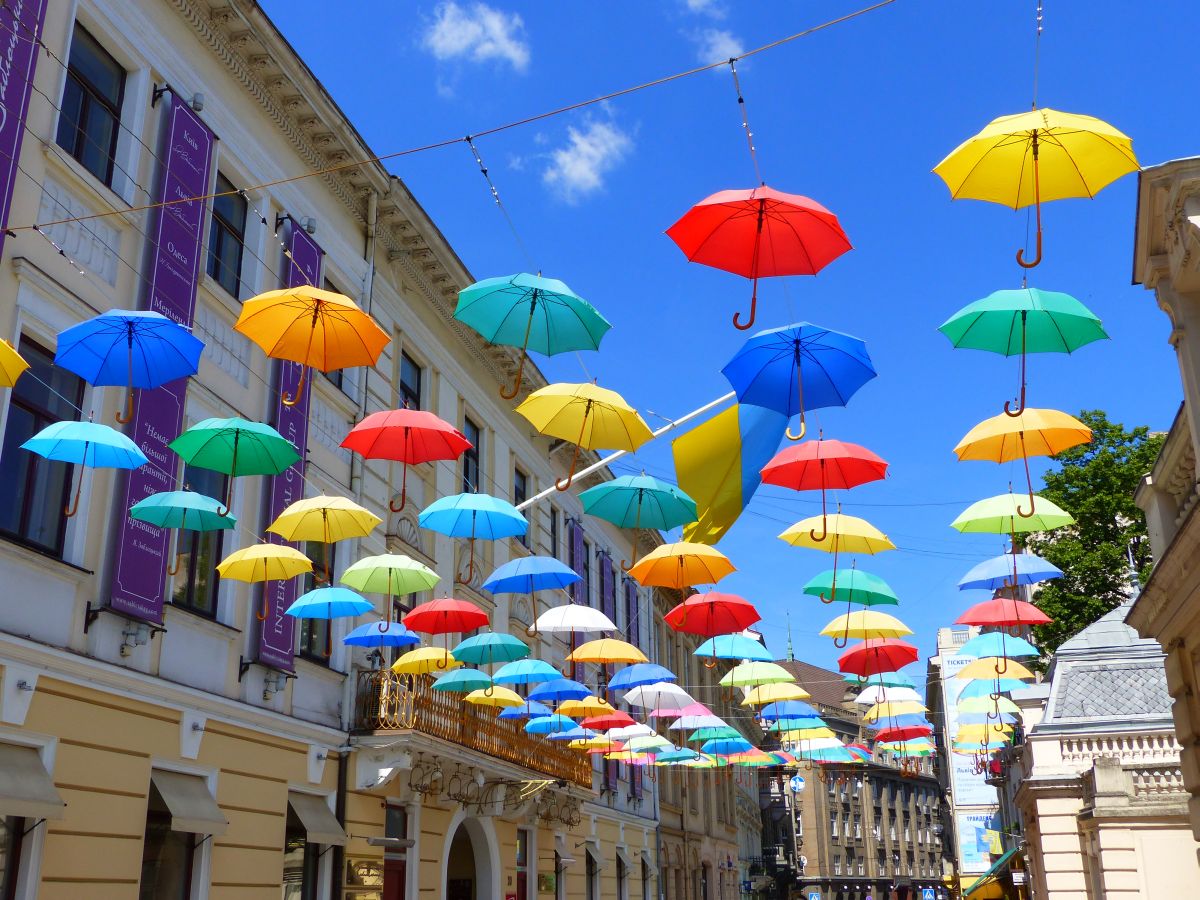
pixel 390 702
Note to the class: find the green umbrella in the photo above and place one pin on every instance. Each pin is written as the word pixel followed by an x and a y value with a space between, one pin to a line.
pixel 639 501
pixel 1002 515
pixel 712 733
pixel 392 574
pixel 532 313
pixel 182 509
pixel 463 681
pixel 490 648
pixel 855 586
pixel 1024 321
pixel 235 447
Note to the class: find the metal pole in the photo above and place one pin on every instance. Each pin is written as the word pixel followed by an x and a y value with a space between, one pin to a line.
pixel 600 464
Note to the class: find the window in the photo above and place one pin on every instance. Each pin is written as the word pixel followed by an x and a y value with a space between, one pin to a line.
pixel 12 836
pixel 91 106
pixel 395 825
pixel 587 573
pixel 592 878
pixel 554 531
pixel 622 880
pixel 194 585
pixel 335 377
pixel 520 495
pixel 410 382
pixel 560 882
pixel 470 459
pixel 301 861
pixel 40 489
pixel 225 236
pixel 522 864
pixel 167 855
pixel 833 824
pixel 645 880
pixel 316 639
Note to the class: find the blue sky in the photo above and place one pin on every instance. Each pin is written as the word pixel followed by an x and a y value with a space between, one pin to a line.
pixel 855 117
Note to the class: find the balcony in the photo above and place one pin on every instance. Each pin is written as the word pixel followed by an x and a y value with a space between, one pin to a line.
pixel 398 704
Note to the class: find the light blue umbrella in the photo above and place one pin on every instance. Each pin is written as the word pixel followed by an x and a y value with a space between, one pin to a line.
pixel 329 603
pixel 578 733
pixel 987 687
pixel 997 572
pixel 462 681
pixel 381 634
pixel 526 671
pixel 182 509
pixel 86 444
pixel 559 690
pixel 639 674
pixel 883 679
pixel 714 733
pixel 983 718
pixel 490 647
pixel 473 516
pixel 827 754
pixel 677 755
pixel 999 644
pixel 136 348
pixel 782 709
pixel 525 710
pixel 734 646
pixel 549 724
pixel 726 746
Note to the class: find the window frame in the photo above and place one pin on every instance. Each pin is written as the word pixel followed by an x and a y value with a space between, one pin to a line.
pixel 161 817
pixel 471 456
pixel 520 493
pixel 317 630
pixel 91 98
pixel 195 542
pixel 405 392
pixel 219 222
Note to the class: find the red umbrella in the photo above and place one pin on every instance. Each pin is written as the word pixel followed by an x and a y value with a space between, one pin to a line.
pixel 409 436
pixel 876 655
pixel 1003 611
pixel 445 616
pixel 820 465
pixel 615 719
pixel 904 732
pixel 712 613
pixel 758 233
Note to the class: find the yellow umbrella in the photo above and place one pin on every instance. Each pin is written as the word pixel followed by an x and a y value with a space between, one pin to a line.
pixel 805 734
pixel 264 562
pixel 772 693
pixel 324 519
pixel 991 667
pixel 606 650
pixel 866 623
pixel 424 661
pixel 592 417
pixel 315 328
pixel 681 565
pixel 1035 432
pixel 12 364
pixel 839 534
pixel 981 732
pixel 891 708
pixel 587 706
pixel 599 742
pixel 1042 154
pixel 494 696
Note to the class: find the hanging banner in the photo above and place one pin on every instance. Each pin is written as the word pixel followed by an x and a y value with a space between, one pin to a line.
pixel 302 264
pixel 20 29
pixel 139 582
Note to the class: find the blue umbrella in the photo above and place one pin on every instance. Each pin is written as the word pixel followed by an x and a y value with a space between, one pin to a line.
pixel 726 746
pixel 525 710
pixel 473 516
pixel 827 754
pixel 639 674
pixel 986 687
pixel 578 733
pixel 490 647
pixel 734 646
pixel 558 690
pixel 526 671
pixel 997 572
pixel 783 709
pixel 87 444
pixel 549 724
pixel 530 574
pixel 381 634
pixel 329 603
pixel 799 367
pixel 998 643
pixel 901 721
pixel 136 348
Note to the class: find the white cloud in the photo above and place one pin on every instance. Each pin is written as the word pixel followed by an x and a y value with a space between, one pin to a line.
pixel 714 44
pixel 711 8
pixel 591 152
pixel 479 33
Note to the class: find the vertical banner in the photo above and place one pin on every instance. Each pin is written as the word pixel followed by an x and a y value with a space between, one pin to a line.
pixel 20 29
pixel 302 264
pixel 173 263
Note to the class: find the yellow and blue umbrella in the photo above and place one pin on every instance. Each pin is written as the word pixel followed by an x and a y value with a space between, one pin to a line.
pixel 86 444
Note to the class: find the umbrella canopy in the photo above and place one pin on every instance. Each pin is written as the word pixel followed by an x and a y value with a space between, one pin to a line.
pixel 692 722
pixel 784 709
pixel 639 674
pixel 875 655
pixel 1008 570
pixel 987 704
pixel 881 679
pixel 604 721
pixel 584 707
pixel 462 681
pixel 997 643
pixel 445 615
pixel 390 573
pixel 750 674
pixel 265 562
pixel 329 603
pixel 660 695
pixel 314 328
pixel 558 690
pixel 639 501
pixel 774 693
pixel 87 444
pixel 234 447
pixel 890 709
pixel 533 313
pixel 854 586
pixel 1003 514
pixel 381 634
pixel 526 671
pixel 425 661
pixel 840 534
pixel 493 696
pixel 528 574
pixel 1003 611
pixel 528 709
pixel 605 651
pixel 712 732
pixel 12 364
pixel 681 565
pixel 572 617
pixel 985 716
pixel 625 732
pixel 182 509
pixel 131 347
pixel 726 746
pixel 475 517
pixel 991 666
pixel 589 416
pixel 550 724
pixel 711 614
pixel 989 686
pixel 866 623
pixel 904 732
pixel 677 755
pixel 823 465
pixel 734 646
pixel 324 519
pixel 797 368
pixel 759 233
pixel 877 693
pixel 792 724
pixel 490 648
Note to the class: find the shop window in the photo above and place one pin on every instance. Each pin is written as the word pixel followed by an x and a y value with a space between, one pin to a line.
pixel 90 121
pixel 12 838
pixel 226 236
pixel 523 864
pixel 316 638
pixel 309 831
pixel 194 585
pixel 410 382
pixel 471 457
pixel 168 855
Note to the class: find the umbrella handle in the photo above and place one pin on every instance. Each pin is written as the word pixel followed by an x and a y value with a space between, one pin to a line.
pixel 290 400
pixel 1028 481
pixel 637 524
pixel 840 642
pixel 71 510
pixel 833 583
pixel 737 317
pixel 403 492
pixel 561 485
pixel 800 404
pixel 1008 411
pixel 173 569
pixel 1038 252
pixel 812 532
pixel 1037 203
pixel 261 614
pixel 710 663
pixel 1003 667
pixel 127 416
pixel 506 393
pixel 470 567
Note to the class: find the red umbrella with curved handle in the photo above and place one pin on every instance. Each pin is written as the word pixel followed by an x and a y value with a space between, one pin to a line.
pixel 712 613
pixel 876 655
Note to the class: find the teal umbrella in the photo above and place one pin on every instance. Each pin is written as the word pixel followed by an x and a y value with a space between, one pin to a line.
pixel 182 509
pixel 489 648
pixel 855 586
pixel 532 313
pixel 463 681
pixel 639 501
pixel 87 444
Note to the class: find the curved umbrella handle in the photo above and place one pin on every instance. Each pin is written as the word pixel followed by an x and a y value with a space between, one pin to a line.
pixel 841 642
pixel 1028 482
pixel 403 492
pixel 1003 667
pixel 812 532
pixel 710 663
pixel 71 510
pixel 803 429
pixel 565 485
pixel 1037 204
pixel 173 569
pixel 290 400
pixel 1008 410
pixel 261 614
pixel 127 416
pixel 1037 259
pixel 737 317
pixel 508 394
pixel 470 567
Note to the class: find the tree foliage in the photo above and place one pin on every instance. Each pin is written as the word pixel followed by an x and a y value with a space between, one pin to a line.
pixel 1095 484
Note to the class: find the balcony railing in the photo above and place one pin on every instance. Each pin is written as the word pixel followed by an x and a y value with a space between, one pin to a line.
pixel 1152 747
pixel 390 702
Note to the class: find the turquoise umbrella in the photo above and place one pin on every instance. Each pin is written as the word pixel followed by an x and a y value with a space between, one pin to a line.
pixel 489 648
pixel 463 681
pixel 181 509
pixel 329 603
pixel 86 444
pixel 473 516
pixel 855 586
pixel 999 644
pixel 734 646
pixel 639 501
pixel 526 671
pixel 532 313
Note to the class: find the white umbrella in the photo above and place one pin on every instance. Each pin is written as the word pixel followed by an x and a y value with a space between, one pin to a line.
pixel 878 693
pixel 691 723
pixel 625 732
pixel 814 744
pixel 572 617
pixel 659 695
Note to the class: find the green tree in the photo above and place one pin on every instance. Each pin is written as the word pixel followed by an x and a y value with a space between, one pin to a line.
pixel 1095 484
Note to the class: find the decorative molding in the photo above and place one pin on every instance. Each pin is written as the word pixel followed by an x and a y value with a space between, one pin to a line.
pixel 95 247
pixel 228 350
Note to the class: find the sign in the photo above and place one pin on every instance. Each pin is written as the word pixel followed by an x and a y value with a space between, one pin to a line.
pixel 141 560
pixel 1018 876
pixel 927 894
pixel 747 887
pixel 546 882
pixel 20 30
pixel 276 639
pixel 974 845
pixel 814 895
pixel 796 784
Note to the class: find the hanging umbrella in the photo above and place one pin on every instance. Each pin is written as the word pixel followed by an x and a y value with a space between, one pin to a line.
pixel 782 709
pixel 855 586
pixel 797 368
pixel 1023 159
pixel 881 679
pixel 528 709
pixel 590 417
pixel 904 732
pixel 998 643
pixel 1002 515
pixel 1008 570
pixel 235 447
pixel 875 655
pixel 473 516
pixel 1021 322
pixel 751 674
pixel 597 745
pixel 987 716
pixel 677 755
pixel 86 444
pixel 490 648
pixel 606 720
pixel 570 619
pixel 625 732
pixel 711 614
pixel 605 651
pixel 324 519
pixel 328 603
pixel 660 695
pixel 533 313
pixel 185 510
pixel 839 534
pixel 989 687
pixel 1033 432
pixel 774 693
pixel 558 690
pixel 986 704
pixel 822 465
pixel 495 697
pixel 379 634
pixel 583 707
pixel 681 565
pixel 878 693
pixel 425 661
pixel 707 734
pixel 12 364
pixel 550 724
pixel 1003 611
pixel 314 328
pixel 891 708
pixel 759 233
pixel 639 674
pixel 639 501
pixel 530 574
pixel 390 574
pixel 866 623
pixel 990 667
pixel 264 562
pixel 733 646
pixel 445 615
pixel 408 436
pixel 526 671
pixel 726 746
pixel 462 681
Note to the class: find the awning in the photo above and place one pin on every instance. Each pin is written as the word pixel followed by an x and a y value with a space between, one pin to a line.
pixel 191 804
pixel 625 857
pixel 565 855
pixel 592 846
pixel 990 875
pixel 26 788
pixel 320 823
pixel 648 862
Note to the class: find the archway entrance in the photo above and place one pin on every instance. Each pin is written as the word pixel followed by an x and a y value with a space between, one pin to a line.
pixel 460 867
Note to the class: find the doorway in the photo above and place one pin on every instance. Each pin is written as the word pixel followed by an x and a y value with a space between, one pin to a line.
pixel 460 867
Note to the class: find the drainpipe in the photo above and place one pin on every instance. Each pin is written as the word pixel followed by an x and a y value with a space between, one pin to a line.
pixel 339 853
pixel 356 461
pixel 658 858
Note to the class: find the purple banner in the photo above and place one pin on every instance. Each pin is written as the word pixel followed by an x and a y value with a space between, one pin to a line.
pixel 277 639
pixel 20 29
pixel 140 568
